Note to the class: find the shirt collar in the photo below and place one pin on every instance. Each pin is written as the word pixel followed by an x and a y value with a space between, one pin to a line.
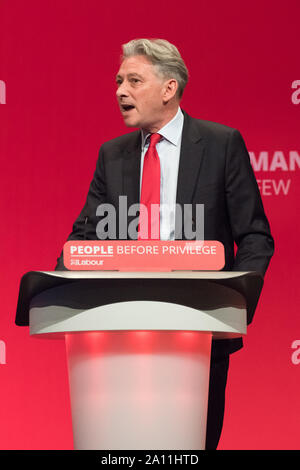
pixel 171 131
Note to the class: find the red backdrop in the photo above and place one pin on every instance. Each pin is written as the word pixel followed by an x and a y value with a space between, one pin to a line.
pixel 58 61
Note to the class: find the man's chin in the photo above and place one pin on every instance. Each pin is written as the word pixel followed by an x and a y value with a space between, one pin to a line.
pixel 130 122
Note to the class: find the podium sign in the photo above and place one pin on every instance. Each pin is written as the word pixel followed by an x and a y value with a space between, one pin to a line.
pixel 152 255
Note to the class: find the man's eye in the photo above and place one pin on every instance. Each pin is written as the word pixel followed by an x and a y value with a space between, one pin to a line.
pixel 135 80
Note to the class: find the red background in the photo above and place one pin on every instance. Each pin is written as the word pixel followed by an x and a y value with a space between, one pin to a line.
pixel 58 60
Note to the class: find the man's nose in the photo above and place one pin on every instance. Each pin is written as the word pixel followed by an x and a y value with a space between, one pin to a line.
pixel 122 90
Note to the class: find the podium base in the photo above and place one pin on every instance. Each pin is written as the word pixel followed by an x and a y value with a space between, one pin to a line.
pixel 134 390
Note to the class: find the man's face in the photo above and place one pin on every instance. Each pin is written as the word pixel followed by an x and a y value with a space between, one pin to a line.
pixel 140 94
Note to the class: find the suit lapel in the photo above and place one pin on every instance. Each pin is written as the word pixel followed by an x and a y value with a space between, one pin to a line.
pixel 191 156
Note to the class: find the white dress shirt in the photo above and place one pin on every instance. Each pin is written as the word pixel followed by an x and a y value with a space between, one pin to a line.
pixel 168 149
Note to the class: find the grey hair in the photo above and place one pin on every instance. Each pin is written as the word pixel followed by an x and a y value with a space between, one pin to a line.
pixel 163 55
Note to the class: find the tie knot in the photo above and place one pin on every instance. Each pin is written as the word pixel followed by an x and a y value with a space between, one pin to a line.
pixel 154 139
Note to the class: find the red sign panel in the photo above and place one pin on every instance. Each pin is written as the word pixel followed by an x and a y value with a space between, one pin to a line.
pixel 152 255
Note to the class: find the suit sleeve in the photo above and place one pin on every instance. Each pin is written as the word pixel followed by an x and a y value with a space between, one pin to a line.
pixel 84 227
pixel 249 224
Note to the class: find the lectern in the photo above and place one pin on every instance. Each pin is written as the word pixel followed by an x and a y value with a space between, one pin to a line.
pixel 138 348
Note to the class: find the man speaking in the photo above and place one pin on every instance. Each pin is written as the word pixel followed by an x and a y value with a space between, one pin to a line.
pixel 174 159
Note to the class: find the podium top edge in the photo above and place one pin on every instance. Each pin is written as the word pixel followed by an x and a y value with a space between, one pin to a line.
pixel 178 274
pixel 247 283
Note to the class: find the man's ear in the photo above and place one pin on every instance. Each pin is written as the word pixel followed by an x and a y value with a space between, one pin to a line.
pixel 170 89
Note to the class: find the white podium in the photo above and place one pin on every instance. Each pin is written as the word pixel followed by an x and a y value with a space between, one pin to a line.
pixel 138 348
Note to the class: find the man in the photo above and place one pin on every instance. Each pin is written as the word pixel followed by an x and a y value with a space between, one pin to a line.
pixel 197 162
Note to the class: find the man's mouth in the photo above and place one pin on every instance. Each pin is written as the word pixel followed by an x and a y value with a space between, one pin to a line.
pixel 127 107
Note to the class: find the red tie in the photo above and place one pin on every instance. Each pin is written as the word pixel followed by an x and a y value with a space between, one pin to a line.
pixel 149 226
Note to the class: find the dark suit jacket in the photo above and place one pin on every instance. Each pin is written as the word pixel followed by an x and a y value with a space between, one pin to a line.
pixel 214 170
